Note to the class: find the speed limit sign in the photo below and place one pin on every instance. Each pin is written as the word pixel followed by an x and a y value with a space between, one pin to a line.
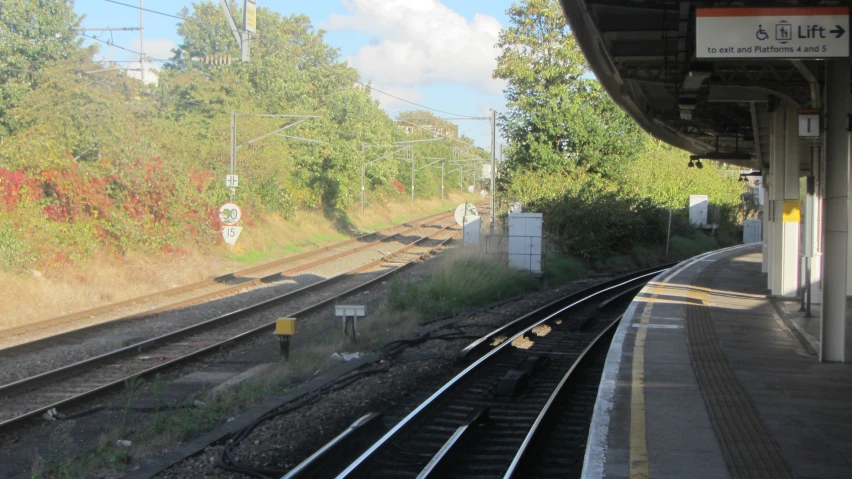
pixel 230 214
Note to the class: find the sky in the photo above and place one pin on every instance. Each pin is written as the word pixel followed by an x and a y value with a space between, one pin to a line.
pixel 439 53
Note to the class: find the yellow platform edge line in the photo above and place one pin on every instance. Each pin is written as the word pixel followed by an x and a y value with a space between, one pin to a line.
pixel 639 467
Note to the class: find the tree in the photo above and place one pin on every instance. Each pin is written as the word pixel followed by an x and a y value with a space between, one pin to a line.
pixel 559 116
pixel 33 34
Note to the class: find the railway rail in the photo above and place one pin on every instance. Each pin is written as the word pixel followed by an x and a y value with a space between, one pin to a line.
pixel 62 387
pixel 535 381
pixel 224 285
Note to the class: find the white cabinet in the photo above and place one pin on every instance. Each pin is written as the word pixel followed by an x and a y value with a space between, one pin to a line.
pixel 698 210
pixel 525 241
pixel 752 231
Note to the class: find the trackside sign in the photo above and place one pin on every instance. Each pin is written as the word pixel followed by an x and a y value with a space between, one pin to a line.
pixel 795 32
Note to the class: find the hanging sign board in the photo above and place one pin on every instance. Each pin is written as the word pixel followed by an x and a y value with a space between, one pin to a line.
pixel 230 214
pixel 250 16
pixel 231 233
pixel 791 32
pixel 808 123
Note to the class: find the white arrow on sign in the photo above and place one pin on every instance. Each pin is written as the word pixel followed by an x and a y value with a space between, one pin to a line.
pixel 231 233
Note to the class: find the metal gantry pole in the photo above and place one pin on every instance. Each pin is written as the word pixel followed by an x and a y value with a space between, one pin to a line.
pixel 363 174
pixel 411 157
pixel 491 193
pixel 233 148
pixel 669 231
pixel 142 38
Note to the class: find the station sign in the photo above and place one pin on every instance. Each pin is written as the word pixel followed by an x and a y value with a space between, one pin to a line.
pixel 783 32
pixel 250 16
pixel 808 123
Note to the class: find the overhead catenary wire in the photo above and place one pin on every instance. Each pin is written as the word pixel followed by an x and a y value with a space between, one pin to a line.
pixel 122 48
pixel 261 39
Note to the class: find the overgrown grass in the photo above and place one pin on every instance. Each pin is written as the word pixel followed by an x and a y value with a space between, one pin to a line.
pixel 559 269
pixel 464 278
pixel 687 247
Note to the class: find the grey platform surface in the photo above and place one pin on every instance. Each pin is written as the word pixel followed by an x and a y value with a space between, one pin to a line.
pixel 726 383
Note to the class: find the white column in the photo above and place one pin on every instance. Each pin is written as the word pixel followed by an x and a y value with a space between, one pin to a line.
pixel 791 214
pixel 813 223
pixel 766 226
pixel 784 189
pixel 777 165
pixel 834 344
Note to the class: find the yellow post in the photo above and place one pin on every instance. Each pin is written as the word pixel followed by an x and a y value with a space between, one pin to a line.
pixel 284 329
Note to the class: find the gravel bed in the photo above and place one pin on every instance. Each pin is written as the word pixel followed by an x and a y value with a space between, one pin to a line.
pixel 286 440
pixel 19 363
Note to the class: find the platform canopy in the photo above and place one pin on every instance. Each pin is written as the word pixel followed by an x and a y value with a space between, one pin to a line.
pixel 647 56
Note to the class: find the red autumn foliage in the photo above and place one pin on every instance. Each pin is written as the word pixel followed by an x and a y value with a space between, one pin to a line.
pixel 11 185
pixel 399 186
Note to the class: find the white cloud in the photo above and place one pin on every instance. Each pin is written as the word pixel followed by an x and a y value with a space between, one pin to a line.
pixel 156 48
pixel 421 42
pixel 390 103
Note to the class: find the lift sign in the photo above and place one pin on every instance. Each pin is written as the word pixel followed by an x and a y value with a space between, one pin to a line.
pixel 793 32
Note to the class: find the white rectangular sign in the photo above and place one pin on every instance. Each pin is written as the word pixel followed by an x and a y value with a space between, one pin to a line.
pixel 250 16
pixel 350 310
pixel 782 32
pixel 232 181
pixel 809 123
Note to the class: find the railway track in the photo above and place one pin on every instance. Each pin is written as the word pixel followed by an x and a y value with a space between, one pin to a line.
pixel 220 286
pixel 30 397
pixel 535 383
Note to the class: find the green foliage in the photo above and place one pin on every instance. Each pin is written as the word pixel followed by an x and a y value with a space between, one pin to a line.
pixel 559 269
pixel 693 244
pixel 558 117
pixel 32 34
pixel 605 188
pixel 101 161
pixel 595 218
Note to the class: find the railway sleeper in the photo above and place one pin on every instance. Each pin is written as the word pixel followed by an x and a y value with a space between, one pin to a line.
pixel 518 379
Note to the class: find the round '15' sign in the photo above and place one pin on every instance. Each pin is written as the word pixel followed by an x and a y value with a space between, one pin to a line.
pixel 230 214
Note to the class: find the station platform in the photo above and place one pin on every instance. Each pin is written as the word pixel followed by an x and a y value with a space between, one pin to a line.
pixel 707 378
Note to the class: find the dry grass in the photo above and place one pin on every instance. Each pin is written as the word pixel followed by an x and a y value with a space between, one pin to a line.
pixel 379 215
pixel 33 296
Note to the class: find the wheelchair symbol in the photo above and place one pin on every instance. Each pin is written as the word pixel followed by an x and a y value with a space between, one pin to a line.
pixel 761 33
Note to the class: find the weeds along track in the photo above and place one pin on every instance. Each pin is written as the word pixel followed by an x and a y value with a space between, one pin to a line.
pixel 536 381
pixel 220 286
pixel 31 396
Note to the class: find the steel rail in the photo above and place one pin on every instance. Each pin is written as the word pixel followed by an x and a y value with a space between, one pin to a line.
pixel 87 313
pixel 29 384
pixel 560 389
pixel 309 467
pixel 513 326
pixel 355 467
